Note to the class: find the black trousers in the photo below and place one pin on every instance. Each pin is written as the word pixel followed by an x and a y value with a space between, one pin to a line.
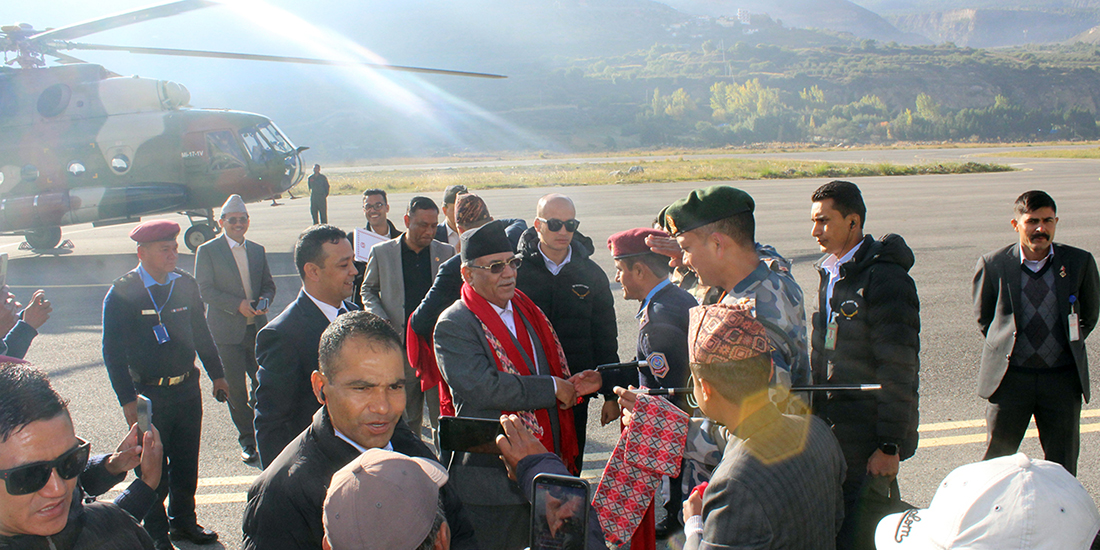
pixel 318 208
pixel 856 455
pixel 180 425
pixel 239 362
pixel 1053 398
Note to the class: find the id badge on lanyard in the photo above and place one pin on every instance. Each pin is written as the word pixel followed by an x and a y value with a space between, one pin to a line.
pixel 159 330
pixel 830 335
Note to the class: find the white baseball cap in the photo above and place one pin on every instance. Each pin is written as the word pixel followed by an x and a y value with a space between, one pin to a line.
pixel 1006 503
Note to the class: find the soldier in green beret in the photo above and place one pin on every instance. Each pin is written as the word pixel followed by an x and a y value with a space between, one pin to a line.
pixel 715 230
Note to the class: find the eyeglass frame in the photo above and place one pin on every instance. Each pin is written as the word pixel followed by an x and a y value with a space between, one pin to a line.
pixel 52 465
pixel 235 220
pixel 374 205
pixel 550 223
pixel 497 267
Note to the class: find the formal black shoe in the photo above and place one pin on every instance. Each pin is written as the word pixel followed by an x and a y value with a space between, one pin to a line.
pixel 250 456
pixel 667 527
pixel 194 533
pixel 163 544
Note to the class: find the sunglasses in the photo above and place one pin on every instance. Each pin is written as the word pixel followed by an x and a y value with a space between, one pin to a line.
pixel 235 221
pixel 555 225
pixel 497 268
pixel 29 478
pixel 373 205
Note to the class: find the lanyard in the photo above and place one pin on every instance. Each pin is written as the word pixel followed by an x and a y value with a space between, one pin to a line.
pixel 155 306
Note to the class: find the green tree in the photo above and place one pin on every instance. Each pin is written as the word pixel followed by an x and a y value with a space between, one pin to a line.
pixel 927 108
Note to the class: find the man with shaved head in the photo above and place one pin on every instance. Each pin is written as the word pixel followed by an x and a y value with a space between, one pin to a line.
pixel 560 277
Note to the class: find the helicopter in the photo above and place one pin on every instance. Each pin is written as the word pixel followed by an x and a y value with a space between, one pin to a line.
pixel 80 143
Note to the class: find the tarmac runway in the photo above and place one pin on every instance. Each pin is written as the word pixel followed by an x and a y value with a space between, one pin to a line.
pixel 949 221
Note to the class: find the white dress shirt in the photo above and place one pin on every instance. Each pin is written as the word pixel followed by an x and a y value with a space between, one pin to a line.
pixel 329 311
pixel 1036 265
pixel 553 267
pixel 509 317
pixel 832 266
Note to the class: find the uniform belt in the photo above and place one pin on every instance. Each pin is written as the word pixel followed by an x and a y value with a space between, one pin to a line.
pixel 168 381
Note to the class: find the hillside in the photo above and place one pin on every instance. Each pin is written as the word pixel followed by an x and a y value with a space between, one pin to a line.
pixel 834 15
pixel 992 28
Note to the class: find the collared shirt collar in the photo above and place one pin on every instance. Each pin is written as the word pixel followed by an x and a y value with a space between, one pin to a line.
pixel 234 244
pixel 553 267
pixel 832 266
pixel 1036 265
pixel 509 319
pixel 329 311
pixel 650 296
pixel 832 263
pixel 453 238
pixel 358 447
pixel 759 273
pixel 148 279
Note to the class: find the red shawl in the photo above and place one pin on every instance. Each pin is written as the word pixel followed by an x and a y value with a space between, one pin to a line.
pixel 422 358
pixel 510 360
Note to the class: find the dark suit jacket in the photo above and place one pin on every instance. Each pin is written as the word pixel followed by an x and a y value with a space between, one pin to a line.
pixel 778 486
pixel 286 350
pixel 997 305
pixel 284 510
pixel 221 288
pixel 482 391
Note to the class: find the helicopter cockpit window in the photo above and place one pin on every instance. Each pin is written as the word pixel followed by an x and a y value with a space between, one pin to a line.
pixel 224 153
pixel 275 138
pixel 76 168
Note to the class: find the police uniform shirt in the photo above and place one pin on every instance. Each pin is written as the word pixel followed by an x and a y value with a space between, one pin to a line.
pixel 131 352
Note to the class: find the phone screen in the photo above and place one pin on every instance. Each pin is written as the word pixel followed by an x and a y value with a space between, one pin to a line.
pixel 559 514
pixel 470 435
pixel 144 413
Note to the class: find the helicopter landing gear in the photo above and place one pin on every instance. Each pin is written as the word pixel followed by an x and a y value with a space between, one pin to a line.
pixel 43 239
pixel 200 231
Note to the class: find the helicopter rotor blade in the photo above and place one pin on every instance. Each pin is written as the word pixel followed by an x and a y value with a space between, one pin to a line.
pixel 79 30
pixel 66 59
pixel 274 58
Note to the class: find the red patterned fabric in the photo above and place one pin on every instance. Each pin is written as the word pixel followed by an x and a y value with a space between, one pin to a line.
pixel 721 333
pixel 422 358
pixel 651 446
pixel 510 360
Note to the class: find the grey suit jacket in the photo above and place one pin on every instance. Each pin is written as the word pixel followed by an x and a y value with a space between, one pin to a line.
pixel 997 304
pixel 482 391
pixel 221 288
pixel 383 289
pixel 778 486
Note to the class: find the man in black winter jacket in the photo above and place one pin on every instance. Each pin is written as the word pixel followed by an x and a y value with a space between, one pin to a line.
pixel 574 293
pixel 361 387
pixel 866 330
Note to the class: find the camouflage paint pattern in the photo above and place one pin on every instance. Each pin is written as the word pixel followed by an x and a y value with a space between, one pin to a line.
pixel 78 146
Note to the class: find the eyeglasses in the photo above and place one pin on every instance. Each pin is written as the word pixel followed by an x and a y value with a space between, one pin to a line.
pixel 555 224
pixel 373 205
pixel 497 268
pixel 235 221
pixel 29 478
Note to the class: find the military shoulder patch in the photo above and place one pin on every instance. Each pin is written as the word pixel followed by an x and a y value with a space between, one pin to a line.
pixel 657 364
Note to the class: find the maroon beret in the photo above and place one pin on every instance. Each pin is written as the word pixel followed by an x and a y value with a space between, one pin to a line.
pixel 156 230
pixel 631 242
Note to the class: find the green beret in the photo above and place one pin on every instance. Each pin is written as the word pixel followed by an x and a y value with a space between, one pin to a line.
pixel 704 206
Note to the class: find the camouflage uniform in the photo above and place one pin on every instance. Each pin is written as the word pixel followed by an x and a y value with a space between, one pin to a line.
pixel 776 300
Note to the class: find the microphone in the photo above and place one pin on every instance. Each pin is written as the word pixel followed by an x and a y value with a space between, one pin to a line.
pixel 627 365
pixel 822 387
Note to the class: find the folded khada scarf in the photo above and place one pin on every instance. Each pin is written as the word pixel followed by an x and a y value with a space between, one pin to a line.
pixel 651 446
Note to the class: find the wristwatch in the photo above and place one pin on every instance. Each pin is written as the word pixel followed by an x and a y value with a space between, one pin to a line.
pixel 889 448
